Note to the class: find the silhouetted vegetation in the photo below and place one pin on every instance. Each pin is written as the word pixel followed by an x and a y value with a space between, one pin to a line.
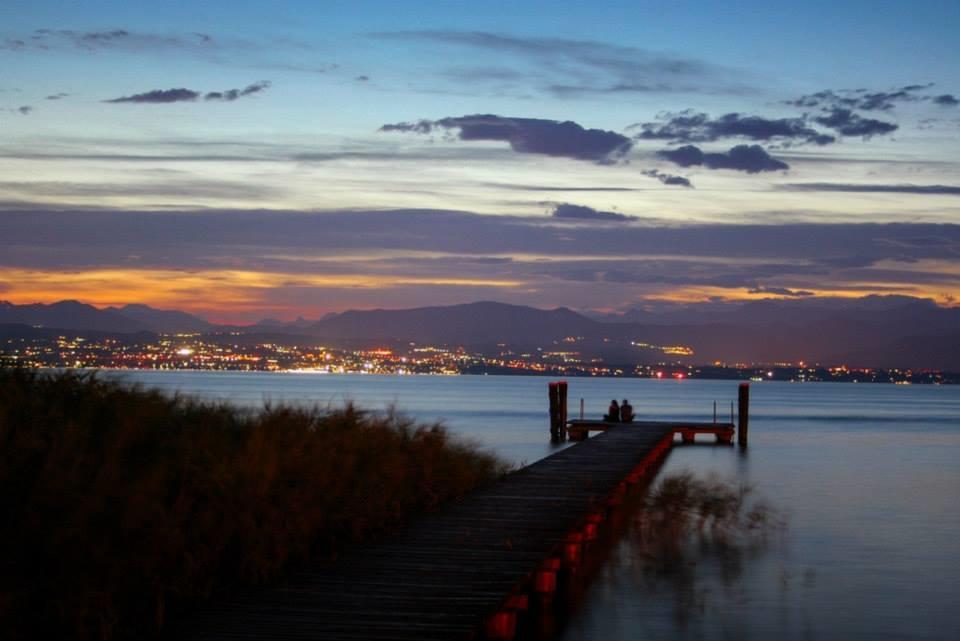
pixel 120 503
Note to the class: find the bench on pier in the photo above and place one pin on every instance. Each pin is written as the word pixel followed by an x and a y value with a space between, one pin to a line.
pixel 579 429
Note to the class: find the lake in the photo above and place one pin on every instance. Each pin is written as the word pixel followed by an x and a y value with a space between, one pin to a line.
pixel 866 477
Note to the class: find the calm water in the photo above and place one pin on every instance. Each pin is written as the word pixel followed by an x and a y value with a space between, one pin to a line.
pixel 867 476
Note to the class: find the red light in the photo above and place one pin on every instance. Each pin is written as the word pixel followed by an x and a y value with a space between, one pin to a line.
pixel 659 374
pixel 679 376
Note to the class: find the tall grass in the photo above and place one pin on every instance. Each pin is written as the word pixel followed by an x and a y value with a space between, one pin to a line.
pixel 118 503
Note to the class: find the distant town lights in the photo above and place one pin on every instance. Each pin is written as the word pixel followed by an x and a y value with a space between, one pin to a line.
pixel 184 351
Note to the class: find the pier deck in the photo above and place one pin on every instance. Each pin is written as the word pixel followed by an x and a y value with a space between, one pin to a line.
pixel 577 429
pixel 460 573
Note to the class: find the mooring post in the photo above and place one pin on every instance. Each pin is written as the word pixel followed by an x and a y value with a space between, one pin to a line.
pixel 743 414
pixel 553 389
pixel 714 412
pixel 562 387
pixel 581 409
pixel 731 412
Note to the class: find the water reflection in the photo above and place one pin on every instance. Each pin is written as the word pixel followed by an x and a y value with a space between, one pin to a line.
pixel 680 559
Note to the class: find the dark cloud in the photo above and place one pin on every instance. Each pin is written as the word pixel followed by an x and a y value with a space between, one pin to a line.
pixel 419 127
pixel 530 135
pixel 232 94
pixel 580 212
pixel 861 98
pixel 362 78
pixel 749 158
pixel 57 96
pixel 165 96
pixel 25 110
pixel 691 126
pixel 667 179
pixel 946 100
pixel 780 291
pixel 947 190
pixel 847 123
pixel 159 96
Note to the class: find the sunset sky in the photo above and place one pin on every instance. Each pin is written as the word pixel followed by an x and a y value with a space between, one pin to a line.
pixel 295 158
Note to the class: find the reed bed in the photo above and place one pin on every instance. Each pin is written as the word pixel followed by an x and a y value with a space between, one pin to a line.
pixel 121 504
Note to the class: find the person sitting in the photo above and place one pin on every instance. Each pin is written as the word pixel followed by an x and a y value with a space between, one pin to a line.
pixel 626 412
pixel 613 412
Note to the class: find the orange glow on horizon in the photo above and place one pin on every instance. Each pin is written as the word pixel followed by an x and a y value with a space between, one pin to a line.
pixel 222 294
pixel 223 290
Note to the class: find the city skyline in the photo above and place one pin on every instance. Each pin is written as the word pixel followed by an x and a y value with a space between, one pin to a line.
pixel 294 160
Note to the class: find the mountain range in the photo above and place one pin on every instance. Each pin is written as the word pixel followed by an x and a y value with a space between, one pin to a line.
pixel 874 331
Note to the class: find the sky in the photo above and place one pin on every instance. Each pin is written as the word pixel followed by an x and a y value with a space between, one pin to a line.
pixel 243 160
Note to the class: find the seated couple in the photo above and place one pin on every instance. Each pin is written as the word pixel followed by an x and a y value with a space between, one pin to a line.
pixel 622 413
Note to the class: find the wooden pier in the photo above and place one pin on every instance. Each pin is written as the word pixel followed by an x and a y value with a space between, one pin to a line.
pixel 465 572
pixel 472 569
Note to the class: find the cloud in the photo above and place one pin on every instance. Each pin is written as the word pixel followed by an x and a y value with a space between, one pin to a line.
pixel 362 78
pixel 568 67
pixel 159 96
pixel 166 96
pixel 946 100
pixel 549 255
pixel 25 110
pixel 182 188
pixel 109 39
pixel 57 96
pixel 667 179
pixel 946 190
pixel 861 98
pixel 689 126
pixel 232 94
pixel 530 135
pixel 848 123
pixel 780 291
pixel 749 158
pixel 580 212
pixel 527 187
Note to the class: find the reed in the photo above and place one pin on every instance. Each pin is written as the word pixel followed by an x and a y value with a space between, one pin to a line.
pixel 120 504
pixel 687 517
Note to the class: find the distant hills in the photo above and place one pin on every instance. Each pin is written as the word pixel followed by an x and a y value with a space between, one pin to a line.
pixel 875 331
pixel 160 320
pixel 479 324
pixel 129 319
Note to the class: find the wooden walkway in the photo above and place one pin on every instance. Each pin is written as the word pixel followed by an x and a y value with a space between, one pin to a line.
pixel 461 573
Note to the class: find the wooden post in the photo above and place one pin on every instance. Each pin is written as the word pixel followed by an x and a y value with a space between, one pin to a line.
pixel 743 414
pixel 562 388
pixel 714 412
pixel 581 409
pixel 554 391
